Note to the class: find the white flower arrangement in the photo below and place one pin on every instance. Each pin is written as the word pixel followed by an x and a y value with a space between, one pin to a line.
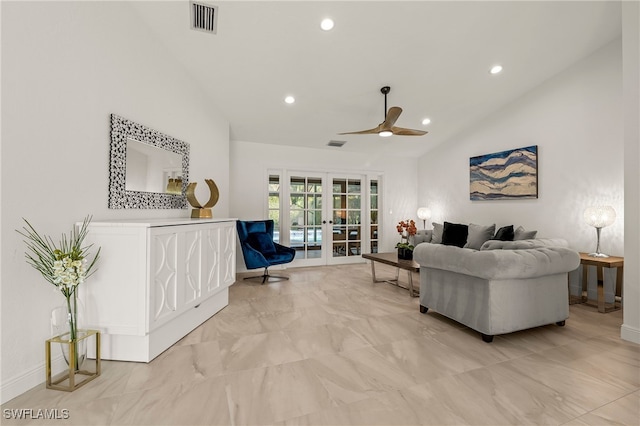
pixel 63 265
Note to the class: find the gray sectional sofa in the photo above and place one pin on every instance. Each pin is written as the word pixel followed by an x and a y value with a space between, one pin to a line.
pixel 503 287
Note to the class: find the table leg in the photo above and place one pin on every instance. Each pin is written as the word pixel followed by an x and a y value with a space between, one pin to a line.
pixel 585 280
pixel 600 270
pixel 373 272
pixel 619 275
pixel 412 292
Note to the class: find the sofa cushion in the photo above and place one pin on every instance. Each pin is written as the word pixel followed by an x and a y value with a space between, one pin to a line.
pixel 422 236
pixel 524 244
pixel 262 242
pixel 521 234
pixel 504 234
pixel 436 235
pixel 478 234
pixel 455 234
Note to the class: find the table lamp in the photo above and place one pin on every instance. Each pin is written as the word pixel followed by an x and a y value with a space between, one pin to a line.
pixel 424 213
pixel 599 217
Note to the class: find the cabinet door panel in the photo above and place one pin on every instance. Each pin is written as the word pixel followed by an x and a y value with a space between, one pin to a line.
pixel 211 259
pixel 228 252
pixel 164 280
pixel 192 290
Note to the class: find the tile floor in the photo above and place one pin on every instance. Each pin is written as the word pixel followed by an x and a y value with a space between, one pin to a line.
pixel 329 347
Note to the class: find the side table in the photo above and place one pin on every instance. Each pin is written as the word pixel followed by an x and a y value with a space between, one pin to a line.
pixel 600 263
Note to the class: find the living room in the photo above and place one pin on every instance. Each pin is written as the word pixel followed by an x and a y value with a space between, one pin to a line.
pixel 68 66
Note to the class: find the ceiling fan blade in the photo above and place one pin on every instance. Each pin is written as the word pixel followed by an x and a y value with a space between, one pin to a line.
pixel 400 131
pixel 392 117
pixel 364 132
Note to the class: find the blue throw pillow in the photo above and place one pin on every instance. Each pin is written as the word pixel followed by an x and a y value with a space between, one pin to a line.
pixel 262 242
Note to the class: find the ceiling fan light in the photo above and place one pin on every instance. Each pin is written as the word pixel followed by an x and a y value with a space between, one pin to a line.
pixel 386 133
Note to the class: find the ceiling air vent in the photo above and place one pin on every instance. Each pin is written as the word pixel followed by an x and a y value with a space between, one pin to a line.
pixel 204 17
pixel 337 144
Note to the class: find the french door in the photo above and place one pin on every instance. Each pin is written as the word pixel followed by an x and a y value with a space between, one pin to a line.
pixel 327 218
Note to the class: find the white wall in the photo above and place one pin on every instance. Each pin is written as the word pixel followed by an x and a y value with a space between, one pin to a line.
pixel 250 162
pixel 66 66
pixel 576 120
pixel 631 77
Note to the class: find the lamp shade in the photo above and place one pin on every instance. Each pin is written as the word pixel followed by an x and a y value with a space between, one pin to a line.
pixel 599 216
pixel 424 213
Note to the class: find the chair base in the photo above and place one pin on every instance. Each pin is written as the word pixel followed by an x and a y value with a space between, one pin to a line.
pixel 266 277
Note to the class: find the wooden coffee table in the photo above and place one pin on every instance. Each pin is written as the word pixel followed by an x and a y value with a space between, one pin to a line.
pixel 391 259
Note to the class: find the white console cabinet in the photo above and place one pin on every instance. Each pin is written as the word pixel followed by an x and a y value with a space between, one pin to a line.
pixel 156 281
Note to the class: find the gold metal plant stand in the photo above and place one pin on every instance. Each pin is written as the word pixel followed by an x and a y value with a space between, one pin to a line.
pixel 66 381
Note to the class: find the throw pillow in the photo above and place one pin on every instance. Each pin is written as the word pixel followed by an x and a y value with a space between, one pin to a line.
pixel 262 242
pixel 478 234
pixel 521 234
pixel 436 235
pixel 504 234
pixel 455 234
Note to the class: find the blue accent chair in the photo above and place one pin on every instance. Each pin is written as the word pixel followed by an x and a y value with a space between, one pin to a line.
pixel 259 249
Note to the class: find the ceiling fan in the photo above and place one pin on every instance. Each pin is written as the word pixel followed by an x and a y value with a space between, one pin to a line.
pixel 387 128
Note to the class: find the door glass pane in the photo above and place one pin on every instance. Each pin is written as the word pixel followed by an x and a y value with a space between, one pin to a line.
pixel 354 202
pixel 297 184
pixel 314 185
pixel 347 195
pixel 373 215
pixel 274 205
pixel 296 217
pixel 306 216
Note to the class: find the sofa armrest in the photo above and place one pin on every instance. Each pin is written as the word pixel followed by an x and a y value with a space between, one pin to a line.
pixel 498 264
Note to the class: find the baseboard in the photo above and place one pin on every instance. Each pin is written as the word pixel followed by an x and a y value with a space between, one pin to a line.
pixel 21 383
pixel 629 333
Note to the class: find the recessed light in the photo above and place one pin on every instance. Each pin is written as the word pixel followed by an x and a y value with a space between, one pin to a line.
pixel 326 24
pixel 496 69
pixel 289 99
pixel 426 121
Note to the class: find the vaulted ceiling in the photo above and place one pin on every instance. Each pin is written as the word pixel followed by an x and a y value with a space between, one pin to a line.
pixel 435 56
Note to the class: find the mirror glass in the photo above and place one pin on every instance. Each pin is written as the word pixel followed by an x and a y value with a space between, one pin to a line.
pixel 147 169
pixel 152 169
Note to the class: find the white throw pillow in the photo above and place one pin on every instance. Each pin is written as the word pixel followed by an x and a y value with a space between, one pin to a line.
pixel 438 230
pixel 521 234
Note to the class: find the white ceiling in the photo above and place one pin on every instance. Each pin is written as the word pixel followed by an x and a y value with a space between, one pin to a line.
pixel 434 55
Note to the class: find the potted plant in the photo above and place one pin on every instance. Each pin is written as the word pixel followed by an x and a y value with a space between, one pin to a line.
pixel 406 229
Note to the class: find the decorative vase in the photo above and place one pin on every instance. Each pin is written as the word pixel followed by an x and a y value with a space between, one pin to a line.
pixel 405 253
pixel 66 323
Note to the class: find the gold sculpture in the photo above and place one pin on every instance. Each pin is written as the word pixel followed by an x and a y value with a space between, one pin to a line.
pixel 200 211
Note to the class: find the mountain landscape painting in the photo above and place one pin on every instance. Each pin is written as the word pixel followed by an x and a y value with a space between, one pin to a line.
pixel 504 175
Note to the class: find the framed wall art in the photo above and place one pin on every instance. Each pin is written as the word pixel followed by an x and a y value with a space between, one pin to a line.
pixel 505 175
